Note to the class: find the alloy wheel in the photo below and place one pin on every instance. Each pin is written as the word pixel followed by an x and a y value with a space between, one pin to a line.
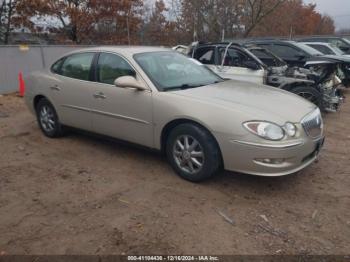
pixel 47 118
pixel 188 154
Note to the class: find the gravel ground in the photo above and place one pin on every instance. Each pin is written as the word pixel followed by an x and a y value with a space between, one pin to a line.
pixel 83 195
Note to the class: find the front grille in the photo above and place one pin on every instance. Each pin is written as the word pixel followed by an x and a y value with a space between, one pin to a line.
pixel 313 124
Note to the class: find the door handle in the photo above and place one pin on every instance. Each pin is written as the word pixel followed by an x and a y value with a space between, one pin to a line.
pixel 55 88
pixel 100 95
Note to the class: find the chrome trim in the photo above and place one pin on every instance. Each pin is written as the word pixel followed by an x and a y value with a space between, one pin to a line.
pixel 108 114
pixel 313 123
pixel 77 108
pixel 120 117
pixel 280 146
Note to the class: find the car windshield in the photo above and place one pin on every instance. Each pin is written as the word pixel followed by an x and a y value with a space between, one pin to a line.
pixel 337 50
pixel 308 49
pixel 171 70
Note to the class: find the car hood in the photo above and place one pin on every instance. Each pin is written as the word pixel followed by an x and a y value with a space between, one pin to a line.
pixel 328 59
pixel 256 100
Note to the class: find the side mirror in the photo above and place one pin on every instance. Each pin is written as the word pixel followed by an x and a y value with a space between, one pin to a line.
pixel 129 82
pixel 251 65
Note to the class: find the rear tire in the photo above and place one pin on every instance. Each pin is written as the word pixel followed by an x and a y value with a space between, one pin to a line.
pixel 193 152
pixel 48 120
pixel 310 94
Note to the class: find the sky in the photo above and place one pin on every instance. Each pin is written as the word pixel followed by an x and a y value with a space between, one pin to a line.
pixel 339 10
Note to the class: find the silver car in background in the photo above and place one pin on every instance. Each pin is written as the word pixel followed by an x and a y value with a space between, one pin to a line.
pixel 163 100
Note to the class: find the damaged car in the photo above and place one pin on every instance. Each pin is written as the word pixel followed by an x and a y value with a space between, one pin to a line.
pixel 297 54
pixel 235 61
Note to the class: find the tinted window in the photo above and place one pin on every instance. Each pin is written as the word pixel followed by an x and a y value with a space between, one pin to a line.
pixel 205 55
pixel 78 66
pixel 234 57
pixel 285 51
pixel 267 57
pixel 110 67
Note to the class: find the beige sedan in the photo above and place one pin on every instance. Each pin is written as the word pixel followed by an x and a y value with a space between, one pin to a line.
pixel 163 100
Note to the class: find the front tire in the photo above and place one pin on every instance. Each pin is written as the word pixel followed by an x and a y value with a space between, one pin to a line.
pixel 48 119
pixel 193 152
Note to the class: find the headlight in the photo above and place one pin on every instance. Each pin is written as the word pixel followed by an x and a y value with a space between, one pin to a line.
pixel 265 130
pixel 290 129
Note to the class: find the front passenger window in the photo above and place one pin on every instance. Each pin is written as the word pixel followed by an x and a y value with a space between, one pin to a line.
pixel 110 67
pixel 77 66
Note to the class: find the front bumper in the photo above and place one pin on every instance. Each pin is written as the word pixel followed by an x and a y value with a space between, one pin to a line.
pixel 249 158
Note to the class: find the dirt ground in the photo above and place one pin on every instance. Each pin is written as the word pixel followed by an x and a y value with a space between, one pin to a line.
pixel 83 195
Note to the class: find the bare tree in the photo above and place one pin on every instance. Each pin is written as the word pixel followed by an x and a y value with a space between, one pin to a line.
pixel 6 13
pixel 257 10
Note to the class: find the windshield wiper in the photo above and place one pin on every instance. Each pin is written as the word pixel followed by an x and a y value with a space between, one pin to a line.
pixel 181 87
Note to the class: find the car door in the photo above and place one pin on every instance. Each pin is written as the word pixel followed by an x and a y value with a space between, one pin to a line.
pixel 211 57
pixel 71 90
pixel 123 113
pixel 235 67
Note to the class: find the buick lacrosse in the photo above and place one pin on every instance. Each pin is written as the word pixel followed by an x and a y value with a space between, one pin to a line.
pixel 163 100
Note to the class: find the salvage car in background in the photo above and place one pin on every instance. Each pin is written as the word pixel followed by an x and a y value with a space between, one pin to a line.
pixel 326 48
pixel 238 62
pixel 330 77
pixel 293 53
pixel 163 100
pixel 341 42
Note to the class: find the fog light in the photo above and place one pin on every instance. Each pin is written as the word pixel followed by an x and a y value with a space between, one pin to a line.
pixel 290 129
pixel 271 161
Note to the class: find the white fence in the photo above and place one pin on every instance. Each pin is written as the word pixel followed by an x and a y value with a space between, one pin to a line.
pixel 25 59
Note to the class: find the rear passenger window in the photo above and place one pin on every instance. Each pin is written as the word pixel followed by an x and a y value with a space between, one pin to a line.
pixel 110 67
pixel 56 67
pixel 78 66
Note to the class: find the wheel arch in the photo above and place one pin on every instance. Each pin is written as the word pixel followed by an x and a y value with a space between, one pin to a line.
pixel 176 122
pixel 291 86
pixel 37 98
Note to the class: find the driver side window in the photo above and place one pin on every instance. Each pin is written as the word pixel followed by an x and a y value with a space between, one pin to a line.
pixel 285 51
pixel 110 67
pixel 234 57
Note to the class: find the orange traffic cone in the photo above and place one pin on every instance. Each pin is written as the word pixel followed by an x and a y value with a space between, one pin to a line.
pixel 22 86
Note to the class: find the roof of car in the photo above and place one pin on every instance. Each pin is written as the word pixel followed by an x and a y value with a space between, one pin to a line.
pixel 124 50
pixel 201 44
pixel 315 43
pixel 319 37
pixel 271 41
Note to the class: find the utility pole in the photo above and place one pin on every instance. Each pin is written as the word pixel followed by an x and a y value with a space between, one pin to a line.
pixel 8 25
pixel 128 29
